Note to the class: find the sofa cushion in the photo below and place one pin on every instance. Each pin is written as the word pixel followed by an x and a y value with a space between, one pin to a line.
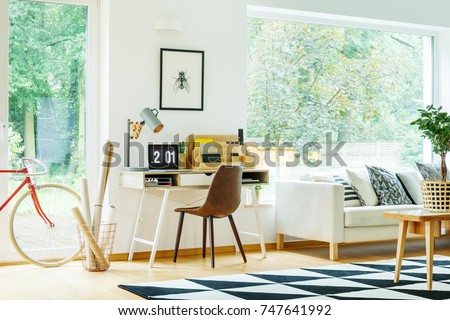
pixel 360 181
pixel 411 182
pixel 351 198
pixel 430 171
pixel 388 188
pixel 372 216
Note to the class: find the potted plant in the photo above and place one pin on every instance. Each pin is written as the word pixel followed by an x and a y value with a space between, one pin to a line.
pixel 435 125
pixel 258 188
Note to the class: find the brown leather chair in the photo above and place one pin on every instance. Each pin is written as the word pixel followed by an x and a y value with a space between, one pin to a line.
pixel 224 197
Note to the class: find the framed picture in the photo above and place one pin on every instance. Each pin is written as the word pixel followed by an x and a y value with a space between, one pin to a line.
pixel 181 79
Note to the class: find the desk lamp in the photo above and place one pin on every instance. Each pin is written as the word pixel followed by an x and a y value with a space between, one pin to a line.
pixel 134 130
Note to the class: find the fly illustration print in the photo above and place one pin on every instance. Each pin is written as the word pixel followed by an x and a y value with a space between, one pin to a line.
pixel 181 83
pixel 181 79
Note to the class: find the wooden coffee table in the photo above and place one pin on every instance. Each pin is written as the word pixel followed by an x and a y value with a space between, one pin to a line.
pixel 433 225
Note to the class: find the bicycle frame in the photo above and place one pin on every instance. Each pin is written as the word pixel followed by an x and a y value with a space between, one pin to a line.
pixel 27 181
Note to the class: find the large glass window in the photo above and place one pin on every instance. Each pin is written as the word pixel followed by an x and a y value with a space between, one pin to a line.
pixel 353 88
pixel 44 49
pixel 47 72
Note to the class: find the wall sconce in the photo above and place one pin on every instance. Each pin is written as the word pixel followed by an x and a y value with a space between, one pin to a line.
pixel 170 25
pixel 134 130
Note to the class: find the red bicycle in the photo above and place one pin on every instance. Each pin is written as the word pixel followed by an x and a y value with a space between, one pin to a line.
pixel 42 227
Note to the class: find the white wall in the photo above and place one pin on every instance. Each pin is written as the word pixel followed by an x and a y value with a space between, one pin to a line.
pixel 219 28
pixel 443 70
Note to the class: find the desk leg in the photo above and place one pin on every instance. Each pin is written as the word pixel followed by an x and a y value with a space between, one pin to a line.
pixel 402 229
pixel 162 213
pixel 138 219
pixel 429 244
pixel 259 223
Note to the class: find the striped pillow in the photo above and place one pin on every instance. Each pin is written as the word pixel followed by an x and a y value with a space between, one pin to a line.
pixel 351 199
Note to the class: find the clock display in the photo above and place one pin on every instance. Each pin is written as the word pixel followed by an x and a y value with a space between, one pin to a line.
pixel 163 156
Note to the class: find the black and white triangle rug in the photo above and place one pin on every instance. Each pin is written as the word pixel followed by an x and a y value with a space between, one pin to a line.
pixel 354 281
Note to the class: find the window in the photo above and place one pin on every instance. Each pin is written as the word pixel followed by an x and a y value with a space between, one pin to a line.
pixel 47 92
pixel 356 89
pixel 48 76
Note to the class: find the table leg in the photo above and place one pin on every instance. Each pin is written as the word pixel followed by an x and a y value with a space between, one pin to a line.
pixel 259 223
pixel 138 219
pixel 402 229
pixel 429 244
pixel 162 213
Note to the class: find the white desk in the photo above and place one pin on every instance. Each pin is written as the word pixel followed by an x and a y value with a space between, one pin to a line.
pixel 183 180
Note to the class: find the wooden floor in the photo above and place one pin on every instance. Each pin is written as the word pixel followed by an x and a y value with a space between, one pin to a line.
pixel 74 283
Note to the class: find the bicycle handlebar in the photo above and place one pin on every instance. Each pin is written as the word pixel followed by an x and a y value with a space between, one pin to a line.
pixel 29 163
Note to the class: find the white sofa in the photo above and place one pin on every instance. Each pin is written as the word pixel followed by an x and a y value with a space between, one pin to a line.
pixel 315 211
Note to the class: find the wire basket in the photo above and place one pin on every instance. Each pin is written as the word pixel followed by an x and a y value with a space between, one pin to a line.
pixel 436 196
pixel 96 250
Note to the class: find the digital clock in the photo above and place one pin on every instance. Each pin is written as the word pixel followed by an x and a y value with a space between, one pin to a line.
pixel 163 156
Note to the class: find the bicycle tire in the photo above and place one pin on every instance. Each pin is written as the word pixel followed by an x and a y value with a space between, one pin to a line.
pixel 34 240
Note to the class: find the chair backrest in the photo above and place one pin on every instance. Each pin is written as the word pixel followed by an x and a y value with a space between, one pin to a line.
pixel 224 195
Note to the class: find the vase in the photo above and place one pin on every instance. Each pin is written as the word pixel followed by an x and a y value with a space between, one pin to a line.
pixel 436 196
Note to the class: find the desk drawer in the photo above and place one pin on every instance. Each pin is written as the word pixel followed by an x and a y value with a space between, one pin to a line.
pixel 195 179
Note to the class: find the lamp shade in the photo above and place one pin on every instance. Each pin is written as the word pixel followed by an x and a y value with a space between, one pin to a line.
pixel 151 119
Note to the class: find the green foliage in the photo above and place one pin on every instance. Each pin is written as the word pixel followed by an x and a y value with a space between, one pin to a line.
pixel 305 80
pixel 435 125
pixel 47 49
pixel 15 147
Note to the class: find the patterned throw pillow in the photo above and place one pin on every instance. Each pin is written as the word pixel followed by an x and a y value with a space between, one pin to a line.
pixel 388 188
pixel 351 199
pixel 430 171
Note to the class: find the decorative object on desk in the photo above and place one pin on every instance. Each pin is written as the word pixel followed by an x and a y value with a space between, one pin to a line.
pixel 241 136
pixel 150 117
pixel 163 156
pixel 351 281
pixel 181 79
pixel 435 125
pixel 206 152
pixel 211 158
pixel 182 155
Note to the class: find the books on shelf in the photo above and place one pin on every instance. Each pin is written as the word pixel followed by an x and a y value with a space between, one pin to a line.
pixel 250 180
pixel 158 181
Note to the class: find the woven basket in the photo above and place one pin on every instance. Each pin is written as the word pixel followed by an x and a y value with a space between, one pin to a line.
pixel 436 196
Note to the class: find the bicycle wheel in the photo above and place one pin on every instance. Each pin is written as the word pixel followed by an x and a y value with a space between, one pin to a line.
pixel 36 241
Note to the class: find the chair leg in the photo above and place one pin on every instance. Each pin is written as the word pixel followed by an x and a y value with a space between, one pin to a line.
pixel 177 241
pixel 211 240
pixel 205 223
pixel 236 235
